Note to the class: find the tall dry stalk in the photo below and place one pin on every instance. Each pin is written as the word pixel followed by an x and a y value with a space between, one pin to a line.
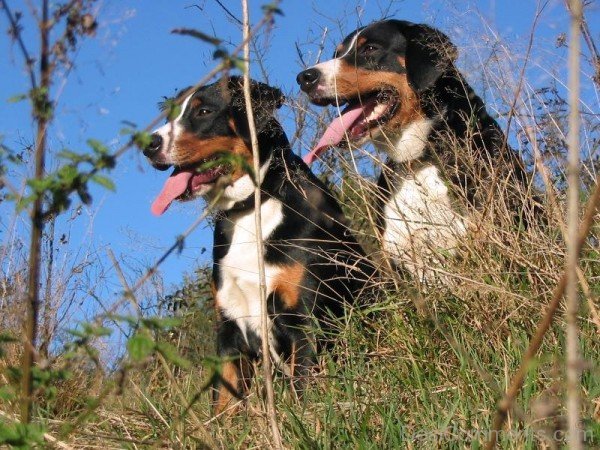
pixel 535 343
pixel 573 370
pixel 276 435
pixel 37 221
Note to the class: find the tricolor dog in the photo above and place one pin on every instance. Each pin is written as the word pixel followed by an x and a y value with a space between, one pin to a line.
pixel 401 91
pixel 314 266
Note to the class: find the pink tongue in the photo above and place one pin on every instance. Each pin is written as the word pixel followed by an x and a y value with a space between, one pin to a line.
pixel 175 185
pixel 335 132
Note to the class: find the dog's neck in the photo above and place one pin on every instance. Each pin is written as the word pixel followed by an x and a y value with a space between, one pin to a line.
pixel 239 196
pixel 408 144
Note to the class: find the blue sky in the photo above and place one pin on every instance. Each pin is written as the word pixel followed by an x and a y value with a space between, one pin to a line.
pixel 134 60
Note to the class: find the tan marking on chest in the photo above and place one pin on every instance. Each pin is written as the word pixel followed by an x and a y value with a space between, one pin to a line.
pixel 288 284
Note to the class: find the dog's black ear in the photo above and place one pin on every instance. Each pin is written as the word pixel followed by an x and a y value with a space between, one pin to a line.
pixel 429 53
pixel 265 98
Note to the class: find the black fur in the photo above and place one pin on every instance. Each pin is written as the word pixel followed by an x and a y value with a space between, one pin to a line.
pixel 312 233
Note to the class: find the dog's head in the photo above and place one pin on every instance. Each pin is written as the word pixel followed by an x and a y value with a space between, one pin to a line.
pixel 378 73
pixel 210 139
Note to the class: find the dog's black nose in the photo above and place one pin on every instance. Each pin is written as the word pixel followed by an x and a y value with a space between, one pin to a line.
pixel 308 79
pixel 154 146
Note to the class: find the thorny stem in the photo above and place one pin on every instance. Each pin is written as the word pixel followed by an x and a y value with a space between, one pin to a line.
pixel 37 225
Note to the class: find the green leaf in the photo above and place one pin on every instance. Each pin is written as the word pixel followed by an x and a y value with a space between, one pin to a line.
pixel 71 156
pixel 17 98
pixel 171 354
pixel 142 139
pixel 174 111
pixel 198 35
pixel 96 330
pixel 131 320
pixel 239 63
pixel 161 323
pixel 140 346
pixel 67 175
pixel 7 393
pixel 90 330
pixel 104 182
pixel 6 337
pixel 97 146
pixel 24 201
pixel 19 436
pixel 40 186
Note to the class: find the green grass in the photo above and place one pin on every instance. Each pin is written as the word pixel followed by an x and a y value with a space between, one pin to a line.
pixel 396 380
pixel 413 370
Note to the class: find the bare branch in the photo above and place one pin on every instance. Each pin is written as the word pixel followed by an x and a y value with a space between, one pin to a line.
pixel 37 226
pixel 14 27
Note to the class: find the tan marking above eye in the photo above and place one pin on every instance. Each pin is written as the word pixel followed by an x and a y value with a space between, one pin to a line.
pixel 360 42
pixel 195 102
pixel 232 125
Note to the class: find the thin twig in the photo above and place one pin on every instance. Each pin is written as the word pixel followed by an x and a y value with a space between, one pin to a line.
pixel 175 246
pixel 228 12
pixel 587 36
pixel 536 341
pixel 276 435
pixel 572 341
pixel 14 26
pixel 511 111
pixel 163 363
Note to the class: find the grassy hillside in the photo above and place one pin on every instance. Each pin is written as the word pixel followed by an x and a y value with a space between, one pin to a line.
pixel 120 364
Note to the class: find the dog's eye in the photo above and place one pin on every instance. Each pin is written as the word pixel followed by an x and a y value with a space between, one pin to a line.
pixel 369 49
pixel 202 112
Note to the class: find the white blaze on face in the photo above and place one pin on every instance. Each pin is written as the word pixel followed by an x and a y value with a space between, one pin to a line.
pixel 170 132
pixel 329 71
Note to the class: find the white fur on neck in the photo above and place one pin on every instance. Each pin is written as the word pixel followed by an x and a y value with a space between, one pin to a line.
pixel 238 191
pixel 409 144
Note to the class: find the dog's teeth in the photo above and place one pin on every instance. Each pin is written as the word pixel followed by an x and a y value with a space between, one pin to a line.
pixel 377 112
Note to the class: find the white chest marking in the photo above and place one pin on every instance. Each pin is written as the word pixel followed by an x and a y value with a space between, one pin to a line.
pixel 420 220
pixel 239 293
pixel 240 190
pixel 409 144
pixel 330 69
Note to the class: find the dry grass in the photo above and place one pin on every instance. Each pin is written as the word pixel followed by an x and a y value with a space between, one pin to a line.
pixel 423 367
